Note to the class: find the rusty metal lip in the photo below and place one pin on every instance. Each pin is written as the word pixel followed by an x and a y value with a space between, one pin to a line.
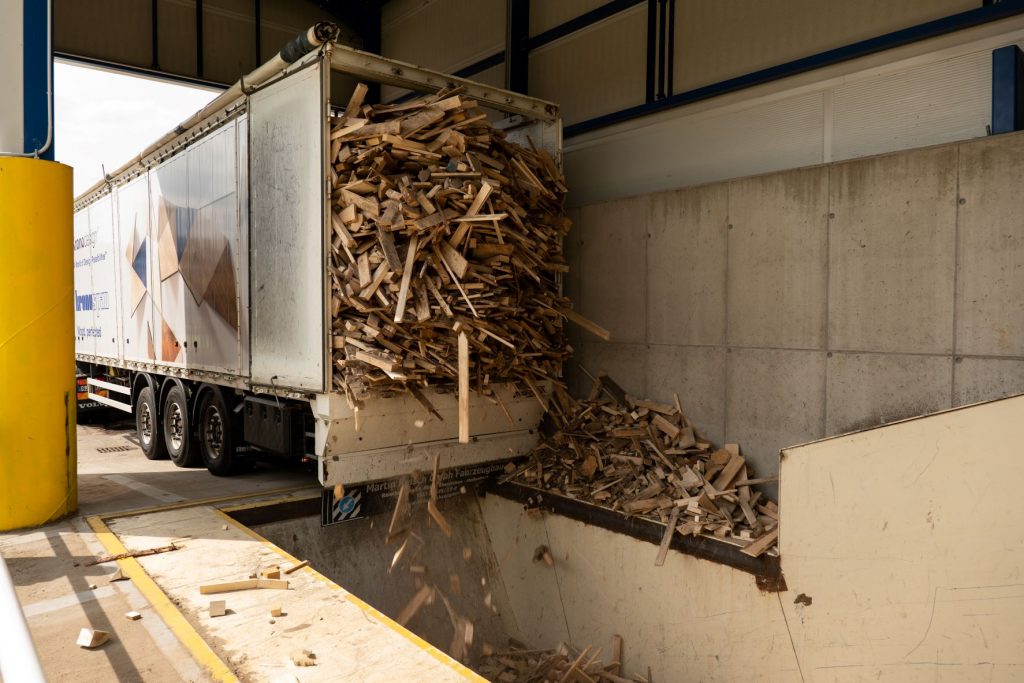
pixel 766 569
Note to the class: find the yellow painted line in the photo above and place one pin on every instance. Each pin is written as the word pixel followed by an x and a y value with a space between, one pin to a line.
pixel 170 614
pixel 107 516
pixel 374 613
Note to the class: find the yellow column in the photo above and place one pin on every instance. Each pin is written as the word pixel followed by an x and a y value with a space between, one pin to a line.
pixel 38 467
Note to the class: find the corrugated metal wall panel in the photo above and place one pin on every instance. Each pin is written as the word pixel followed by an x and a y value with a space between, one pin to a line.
pixel 229 47
pixel 699 148
pixel 594 71
pixel 126 29
pixel 177 48
pixel 718 40
pixel 940 102
pixel 443 34
pixel 545 14
pixel 229 39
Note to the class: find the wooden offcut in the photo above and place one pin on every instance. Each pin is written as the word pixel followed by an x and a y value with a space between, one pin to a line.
pixel 463 388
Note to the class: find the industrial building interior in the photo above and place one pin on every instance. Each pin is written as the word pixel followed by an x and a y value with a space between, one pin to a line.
pixel 516 340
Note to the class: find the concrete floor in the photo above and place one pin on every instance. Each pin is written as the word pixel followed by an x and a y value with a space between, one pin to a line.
pixel 61 595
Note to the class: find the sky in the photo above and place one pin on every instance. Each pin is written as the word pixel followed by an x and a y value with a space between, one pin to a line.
pixel 104 118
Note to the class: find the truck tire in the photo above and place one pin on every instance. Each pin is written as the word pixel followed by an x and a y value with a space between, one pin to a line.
pixel 217 440
pixel 177 430
pixel 147 426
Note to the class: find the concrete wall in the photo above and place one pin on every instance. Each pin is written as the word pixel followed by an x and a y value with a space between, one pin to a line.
pixel 689 620
pixel 900 539
pixel 790 306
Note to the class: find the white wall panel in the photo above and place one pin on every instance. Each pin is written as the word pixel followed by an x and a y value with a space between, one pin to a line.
pixel 941 102
pixel 700 148
pixel 594 71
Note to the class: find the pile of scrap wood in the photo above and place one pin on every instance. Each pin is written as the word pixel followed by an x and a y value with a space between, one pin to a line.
pixel 644 458
pixel 446 234
pixel 519 665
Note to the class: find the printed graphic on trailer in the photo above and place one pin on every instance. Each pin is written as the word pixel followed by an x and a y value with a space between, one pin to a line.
pixel 378 497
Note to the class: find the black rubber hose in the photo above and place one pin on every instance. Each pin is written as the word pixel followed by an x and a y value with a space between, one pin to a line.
pixel 309 40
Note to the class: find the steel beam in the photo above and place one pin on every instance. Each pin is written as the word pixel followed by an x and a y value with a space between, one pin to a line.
pixel 517 48
pixel 1007 89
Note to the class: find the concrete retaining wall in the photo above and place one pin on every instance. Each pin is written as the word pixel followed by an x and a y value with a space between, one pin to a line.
pixel 901 563
pixel 790 306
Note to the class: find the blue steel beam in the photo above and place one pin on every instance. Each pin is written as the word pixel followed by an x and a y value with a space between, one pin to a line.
pixel 1007 90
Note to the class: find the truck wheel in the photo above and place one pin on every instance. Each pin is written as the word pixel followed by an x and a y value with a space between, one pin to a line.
pixel 147 426
pixel 177 430
pixel 217 436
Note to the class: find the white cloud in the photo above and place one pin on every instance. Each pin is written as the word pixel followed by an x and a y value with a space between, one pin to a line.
pixel 103 118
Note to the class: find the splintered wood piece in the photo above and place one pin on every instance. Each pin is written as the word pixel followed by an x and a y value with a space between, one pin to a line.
pixel 403 292
pixel 729 472
pixel 454 259
pixel 401 507
pixel 478 201
pixel 297 567
pixel 616 654
pixel 589 325
pixel 423 401
pixel 439 518
pixel 543 553
pixel 414 605
pixel 435 478
pixel 356 101
pixel 665 426
pixel 92 637
pixel 398 554
pixel 463 388
pixel 758 547
pixel 666 539
pixel 133 553
pixel 244 584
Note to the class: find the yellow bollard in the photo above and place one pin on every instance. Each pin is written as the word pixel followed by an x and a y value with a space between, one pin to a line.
pixel 38 466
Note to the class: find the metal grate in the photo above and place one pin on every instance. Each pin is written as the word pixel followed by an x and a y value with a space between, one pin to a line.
pixel 115 449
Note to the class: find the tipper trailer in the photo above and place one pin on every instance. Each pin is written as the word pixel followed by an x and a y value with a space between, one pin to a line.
pixel 202 291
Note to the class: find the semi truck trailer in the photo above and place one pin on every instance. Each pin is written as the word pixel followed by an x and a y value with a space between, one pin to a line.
pixel 202 292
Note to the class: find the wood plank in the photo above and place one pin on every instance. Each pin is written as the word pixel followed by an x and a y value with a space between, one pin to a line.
pixel 758 547
pixel 413 606
pixel 666 539
pixel 356 101
pixel 403 292
pixel 463 388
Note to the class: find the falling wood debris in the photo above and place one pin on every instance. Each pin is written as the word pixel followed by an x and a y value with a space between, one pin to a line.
pixel 563 663
pixel 644 458
pixel 445 256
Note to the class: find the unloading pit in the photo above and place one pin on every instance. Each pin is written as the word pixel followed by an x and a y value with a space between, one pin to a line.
pixel 530 570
